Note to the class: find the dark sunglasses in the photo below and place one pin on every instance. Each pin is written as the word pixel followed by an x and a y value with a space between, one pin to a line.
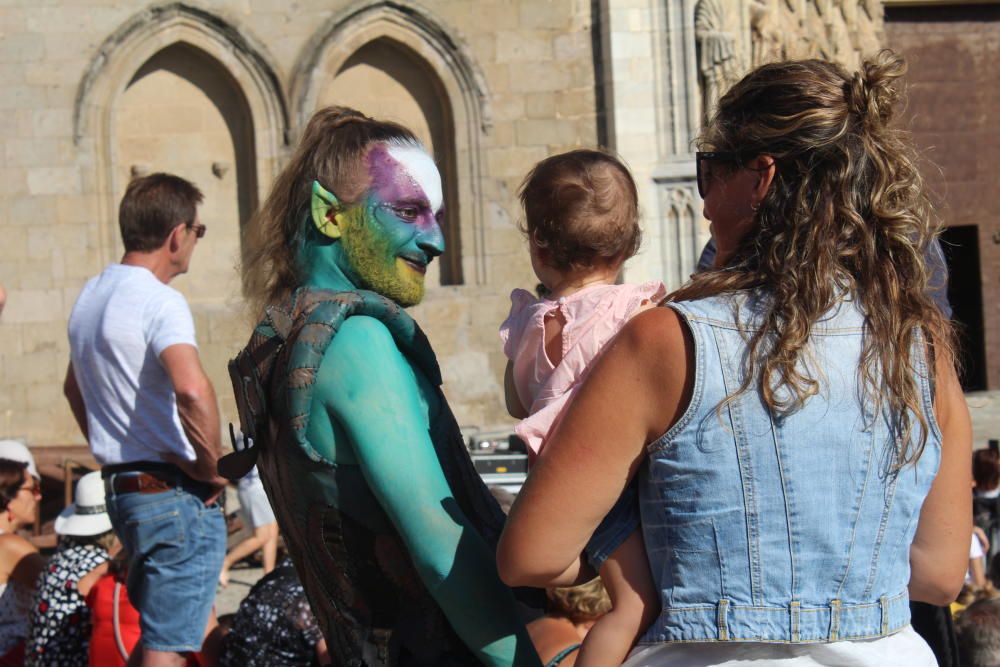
pixel 35 488
pixel 704 171
pixel 198 229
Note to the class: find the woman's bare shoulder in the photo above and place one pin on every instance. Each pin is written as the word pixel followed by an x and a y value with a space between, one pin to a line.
pixel 14 546
pixel 660 348
pixel 552 635
pixel 13 550
pixel 657 335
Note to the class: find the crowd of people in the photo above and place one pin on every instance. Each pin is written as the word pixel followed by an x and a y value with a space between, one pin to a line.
pixel 773 467
pixel 145 542
pixel 74 608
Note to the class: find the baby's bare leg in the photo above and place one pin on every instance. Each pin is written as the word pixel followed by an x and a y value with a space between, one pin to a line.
pixel 635 604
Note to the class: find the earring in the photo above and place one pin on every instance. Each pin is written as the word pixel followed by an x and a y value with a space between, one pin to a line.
pixel 754 207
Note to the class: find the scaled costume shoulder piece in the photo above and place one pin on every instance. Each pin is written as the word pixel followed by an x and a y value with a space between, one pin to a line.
pixel 370 603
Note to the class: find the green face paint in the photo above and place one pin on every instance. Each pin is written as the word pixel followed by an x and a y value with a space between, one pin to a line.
pixel 391 236
pixel 371 254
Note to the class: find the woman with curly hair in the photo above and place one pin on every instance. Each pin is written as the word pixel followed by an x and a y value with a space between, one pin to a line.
pixel 794 415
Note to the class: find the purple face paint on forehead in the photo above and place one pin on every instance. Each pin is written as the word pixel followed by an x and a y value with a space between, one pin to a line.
pixel 395 174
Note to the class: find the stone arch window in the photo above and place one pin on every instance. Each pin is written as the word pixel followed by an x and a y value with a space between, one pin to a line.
pixel 413 70
pixel 385 79
pixel 680 243
pixel 182 112
pixel 228 87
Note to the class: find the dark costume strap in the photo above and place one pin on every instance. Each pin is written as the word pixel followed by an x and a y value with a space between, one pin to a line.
pixel 310 319
pixel 317 316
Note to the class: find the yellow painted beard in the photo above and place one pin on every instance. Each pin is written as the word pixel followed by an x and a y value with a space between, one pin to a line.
pixel 376 265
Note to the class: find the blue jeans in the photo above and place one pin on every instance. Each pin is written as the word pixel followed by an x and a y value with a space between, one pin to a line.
pixel 614 529
pixel 175 545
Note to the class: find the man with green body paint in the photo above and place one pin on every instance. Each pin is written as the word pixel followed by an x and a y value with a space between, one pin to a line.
pixel 391 531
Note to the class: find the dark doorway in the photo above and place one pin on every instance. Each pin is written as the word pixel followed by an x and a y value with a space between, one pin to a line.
pixel 965 292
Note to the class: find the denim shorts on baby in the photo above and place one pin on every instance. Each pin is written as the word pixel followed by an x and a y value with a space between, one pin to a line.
pixel 176 545
pixel 615 528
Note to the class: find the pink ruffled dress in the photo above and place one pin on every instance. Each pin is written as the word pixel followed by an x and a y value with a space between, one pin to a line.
pixel 593 316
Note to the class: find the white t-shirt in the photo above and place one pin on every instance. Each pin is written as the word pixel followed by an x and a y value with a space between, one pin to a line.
pixel 121 323
pixel 902 649
pixel 975 551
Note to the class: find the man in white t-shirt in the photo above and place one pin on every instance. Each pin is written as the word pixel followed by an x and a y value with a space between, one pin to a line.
pixel 139 394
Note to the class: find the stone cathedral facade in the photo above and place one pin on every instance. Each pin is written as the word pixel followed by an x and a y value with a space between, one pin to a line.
pixel 218 92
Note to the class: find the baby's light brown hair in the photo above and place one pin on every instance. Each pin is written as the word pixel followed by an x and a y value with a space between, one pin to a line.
pixel 581 209
pixel 586 602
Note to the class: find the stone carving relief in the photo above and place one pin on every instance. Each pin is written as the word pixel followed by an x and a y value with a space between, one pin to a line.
pixel 716 26
pixel 843 31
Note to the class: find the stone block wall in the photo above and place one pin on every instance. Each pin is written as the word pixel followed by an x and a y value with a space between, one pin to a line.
pixel 953 54
pixel 66 73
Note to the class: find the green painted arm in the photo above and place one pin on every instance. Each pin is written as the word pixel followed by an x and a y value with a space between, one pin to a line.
pixel 373 392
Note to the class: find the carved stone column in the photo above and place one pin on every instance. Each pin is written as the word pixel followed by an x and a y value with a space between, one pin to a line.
pixel 717 32
pixel 652 109
pixel 662 64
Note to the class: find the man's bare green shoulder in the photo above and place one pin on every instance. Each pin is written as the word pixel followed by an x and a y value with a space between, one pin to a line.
pixel 360 340
pixel 362 355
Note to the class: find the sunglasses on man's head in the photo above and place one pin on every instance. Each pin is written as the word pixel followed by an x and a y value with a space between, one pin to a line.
pixel 703 167
pixel 198 229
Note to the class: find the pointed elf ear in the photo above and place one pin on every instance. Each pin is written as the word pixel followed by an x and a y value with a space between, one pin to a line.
pixel 321 203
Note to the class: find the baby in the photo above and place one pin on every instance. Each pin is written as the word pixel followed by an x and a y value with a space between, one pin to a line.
pixel 581 220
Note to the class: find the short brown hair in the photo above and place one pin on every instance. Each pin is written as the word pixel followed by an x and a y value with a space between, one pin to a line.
pixel 986 469
pixel 152 206
pixel 581 208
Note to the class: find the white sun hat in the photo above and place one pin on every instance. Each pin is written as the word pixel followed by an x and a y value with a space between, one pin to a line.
pixel 15 450
pixel 88 515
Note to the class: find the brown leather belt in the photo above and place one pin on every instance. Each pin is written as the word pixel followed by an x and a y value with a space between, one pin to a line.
pixel 139 483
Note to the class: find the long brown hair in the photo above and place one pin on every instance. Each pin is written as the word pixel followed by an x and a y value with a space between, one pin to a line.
pixel 846 212
pixel 331 150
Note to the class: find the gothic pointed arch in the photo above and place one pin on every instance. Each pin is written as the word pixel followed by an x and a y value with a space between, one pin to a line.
pixel 225 48
pixel 418 38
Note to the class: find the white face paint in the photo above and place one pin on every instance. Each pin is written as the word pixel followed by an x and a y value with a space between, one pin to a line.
pixel 420 166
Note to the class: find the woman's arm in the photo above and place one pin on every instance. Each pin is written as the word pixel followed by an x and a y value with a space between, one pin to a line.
pixel 322 653
pixel 640 386
pixel 88 580
pixel 939 554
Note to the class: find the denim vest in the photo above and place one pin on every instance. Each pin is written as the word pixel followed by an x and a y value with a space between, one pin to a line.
pixel 781 529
